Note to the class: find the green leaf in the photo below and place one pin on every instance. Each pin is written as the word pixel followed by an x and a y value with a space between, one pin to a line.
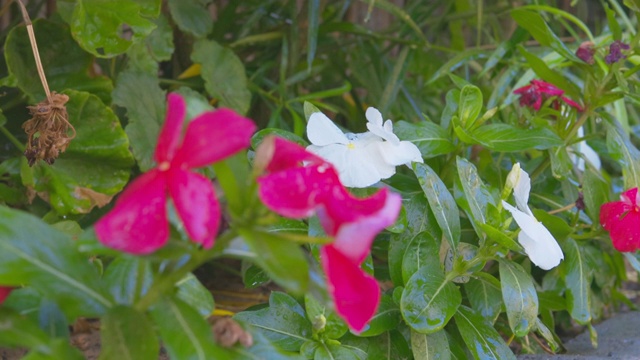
pixel 333 327
pixel 508 138
pixel 547 74
pixel 96 24
pixel 52 320
pixel 329 351
pixel 33 253
pixel 632 4
pixel 430 346
pixel 481 337
pixel 499 237
pixel 578 280
pixel 469 106
pixel 485 296
pixel 257 138
pixel 224 75
pixel 421 250
pixel 431 139
pixel 284 322
pixel 520 298
pixel 429 300
pixel 476 195
pixel 561 163
pixel 278 256
pixel 626 154
pixel 145 111
pixel 309 109
pixel 192 16
pixel 185 333
pixel 387 318
pixel 144 56
pixel 66 65
pixel 196 295
pixel 538 28
pixel 595 190
pixel 441 201
pixel 614 25
pixel 127 334
pixel 95 166
pixel 312 31
pixel 128 278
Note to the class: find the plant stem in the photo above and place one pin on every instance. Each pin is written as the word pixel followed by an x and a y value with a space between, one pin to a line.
pixel 12 138
pixel 34 48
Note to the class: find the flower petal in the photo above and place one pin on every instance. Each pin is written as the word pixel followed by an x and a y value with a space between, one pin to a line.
pixel 4 293
pixel 541 247
pixel 322 131
pixel 355 294
pixel 213 136
pixel 546 88
pixel 402 153
pixel 625 232
pixel 521 190
pixel 380 128
pixel 356 222
pixel 171 131
pixel 360 166
pixel 137 224
pixel 572 103
pixel 196 204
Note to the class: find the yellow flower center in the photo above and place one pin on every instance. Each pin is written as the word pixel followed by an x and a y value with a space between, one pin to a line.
pixel 164 166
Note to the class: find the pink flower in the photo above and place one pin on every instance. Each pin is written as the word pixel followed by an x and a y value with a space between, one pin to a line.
pixel 538 91
pixel 138 223
pixel 4 293
pixel 622 220
pixel 297 184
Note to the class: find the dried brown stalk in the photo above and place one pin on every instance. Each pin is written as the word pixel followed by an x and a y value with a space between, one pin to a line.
pixel 49 127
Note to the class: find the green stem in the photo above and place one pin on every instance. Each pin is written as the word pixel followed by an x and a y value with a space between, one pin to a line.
pixel 12 138
pixel 583 118
pixel 540 168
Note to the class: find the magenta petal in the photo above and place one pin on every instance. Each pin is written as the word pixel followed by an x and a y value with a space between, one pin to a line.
pixel 297 192
pixel 196 204
pixel 353 239
pixel 571 103
pixel 546 88
pixel 137 224
pixel 213 136
pixel 288 155
pixel 611 212
pixel 355 294
pixel 4 293
pixel 171 131
pixel 625 233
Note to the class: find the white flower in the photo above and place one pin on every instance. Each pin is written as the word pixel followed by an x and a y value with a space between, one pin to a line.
pixel 541 247
pixel 583 152
pixel 361 159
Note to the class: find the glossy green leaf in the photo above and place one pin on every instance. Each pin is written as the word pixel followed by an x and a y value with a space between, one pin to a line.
pixel 561 163
pixel 185 334
pixel 144 56
pixel 262 349
pixel 128 278
pixel 309 109
pixel 469 106
pixel 325 321
pixel 520 298
pixel 595 190
pixel 499 237
pixel 257 138
pixel 481 338
pixel 277 257
pixel 430 346
pixel 508 138
pixel 441 202
pixel 145 111
pixel 627 155
pixel 485 296
pixel 224 75
pixel 538 28
pixel 423 249
pixel 66 65
pixel 476 195
pixel 284 322
pixel 192 16
pixel 330 351
pixel 96 24
pixel 96 165
pixel 429 300
pixel 127 334
pixel 578 281
pixel 549 75
pixel 196 295
pixel 253 275
pixel 546 333
pixel 52 320
pixel 33 253
pixel 386 318
pixel 431 139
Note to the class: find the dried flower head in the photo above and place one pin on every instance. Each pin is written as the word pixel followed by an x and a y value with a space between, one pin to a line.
pixel 48 130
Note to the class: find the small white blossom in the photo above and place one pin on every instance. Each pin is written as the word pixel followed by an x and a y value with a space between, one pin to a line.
pixel 361 159
pixel 541 247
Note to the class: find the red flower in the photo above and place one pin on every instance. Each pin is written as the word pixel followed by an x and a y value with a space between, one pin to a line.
pixel 138 223
pixel 295 190
pixel 4 293
pixel 537 92
pixel 622 220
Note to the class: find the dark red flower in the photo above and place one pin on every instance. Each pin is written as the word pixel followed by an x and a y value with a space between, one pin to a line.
pixel 138 224
pixel 615 52
pixel 622 220
pixel 538 91
pixel 586 51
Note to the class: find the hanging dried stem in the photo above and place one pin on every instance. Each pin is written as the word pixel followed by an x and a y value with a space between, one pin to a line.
pixel 48 128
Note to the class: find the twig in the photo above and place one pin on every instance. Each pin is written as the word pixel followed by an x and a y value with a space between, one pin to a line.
pixel 34 47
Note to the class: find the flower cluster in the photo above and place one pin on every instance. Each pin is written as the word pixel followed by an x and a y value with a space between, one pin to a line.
pixel 138 223
pixel 541 247
pixel 538 91
pixel 297 184
pixel 622 220
pixel 361 159
pixel 615 52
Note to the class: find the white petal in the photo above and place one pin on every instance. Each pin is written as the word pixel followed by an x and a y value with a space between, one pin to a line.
pixel 402 153
pixel 521 191
pixel 590 154
pixel 375 125
pixel 374 116
pixel 322 131
pixel 355 166
pixel 541 247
